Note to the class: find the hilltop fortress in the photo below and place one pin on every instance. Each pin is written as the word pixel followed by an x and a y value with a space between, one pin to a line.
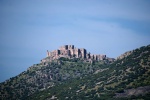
pixel 69 51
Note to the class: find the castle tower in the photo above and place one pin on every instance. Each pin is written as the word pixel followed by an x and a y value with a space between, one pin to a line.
pixel 95 57
pixel 65 47
pixel 77 52
pixel 48 53
pixel 70 47
pixel 83 53
pixel 72 52
pixel 88 56
pixel 92 56
pixel 57 52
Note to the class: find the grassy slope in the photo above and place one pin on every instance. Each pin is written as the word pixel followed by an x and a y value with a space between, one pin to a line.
pixel 130 72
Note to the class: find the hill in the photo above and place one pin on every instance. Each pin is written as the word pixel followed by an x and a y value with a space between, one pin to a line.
pixel 127 77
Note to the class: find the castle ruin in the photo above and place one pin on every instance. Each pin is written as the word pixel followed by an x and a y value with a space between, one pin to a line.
pixel 69 51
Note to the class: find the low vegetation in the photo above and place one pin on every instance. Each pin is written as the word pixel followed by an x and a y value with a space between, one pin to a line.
pixel 73 79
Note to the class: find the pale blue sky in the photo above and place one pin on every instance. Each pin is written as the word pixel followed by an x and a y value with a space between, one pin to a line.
pixel 30 27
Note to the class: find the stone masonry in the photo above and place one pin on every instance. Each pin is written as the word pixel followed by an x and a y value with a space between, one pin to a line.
pixel 69 51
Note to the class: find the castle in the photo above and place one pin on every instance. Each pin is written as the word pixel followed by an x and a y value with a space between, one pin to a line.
pixel 69 51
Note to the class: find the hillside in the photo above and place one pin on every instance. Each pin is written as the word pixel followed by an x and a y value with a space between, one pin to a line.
pixel 120 81
pixel 128 77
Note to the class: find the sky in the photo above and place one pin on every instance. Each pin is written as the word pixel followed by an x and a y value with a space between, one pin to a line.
pixel 28 28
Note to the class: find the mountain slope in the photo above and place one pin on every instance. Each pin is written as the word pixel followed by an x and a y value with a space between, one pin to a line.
pixel 40 76
pixel 76 79
pixel 117 82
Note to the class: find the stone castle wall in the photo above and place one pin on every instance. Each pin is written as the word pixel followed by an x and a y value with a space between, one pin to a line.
pixel 70 51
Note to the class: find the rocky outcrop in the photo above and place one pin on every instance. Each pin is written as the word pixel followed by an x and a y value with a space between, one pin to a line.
pixel 69 51
pixel 125 55
pixel 135 92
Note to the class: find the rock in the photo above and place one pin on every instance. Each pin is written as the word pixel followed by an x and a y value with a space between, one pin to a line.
pixel 124 55
pixel 135 92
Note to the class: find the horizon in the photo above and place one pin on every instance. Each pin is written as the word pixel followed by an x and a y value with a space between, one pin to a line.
pixel 29 28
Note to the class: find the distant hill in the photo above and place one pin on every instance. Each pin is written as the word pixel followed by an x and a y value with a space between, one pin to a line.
pixel 74 78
